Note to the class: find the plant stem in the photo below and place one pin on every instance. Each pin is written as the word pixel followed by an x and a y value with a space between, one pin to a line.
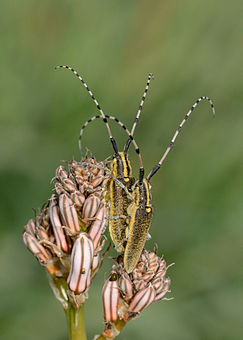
pixel 113 332
pixel 75 321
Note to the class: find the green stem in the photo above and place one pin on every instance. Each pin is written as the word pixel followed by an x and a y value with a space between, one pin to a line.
pixel 111 334
pixel 75 321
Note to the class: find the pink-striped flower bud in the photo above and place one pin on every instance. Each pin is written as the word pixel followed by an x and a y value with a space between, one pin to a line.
pixel 36 248
pixel 30 227
pixel 90 207
pixel 138 289
pixel 61 173
pixel 59 188
pixel 153 262
pixel 97 181
pixel 81 262
pixel 57 225
pixel 95 262
pixel 69 185
pixel 126 287
pixel 78 199
pixel 97 228
pixel 139 284
pixel 164 290
pixel 161 272
pixel 79 179
pixel 142 299
pixel 110 298
pixel 41 233
pixel 69 213
pixel 158 284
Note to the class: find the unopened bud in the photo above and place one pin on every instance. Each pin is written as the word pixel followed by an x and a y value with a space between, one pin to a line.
pixel 142 299
pixel 90 207
pixel 61 173
pixel 78 199
pixel 110 298
pixel 36 248
pixel 95 262
pixel 97 228
pixel 57 226
pixel 126 287
pixel 81 262
pixel 164 290
pixel 69 213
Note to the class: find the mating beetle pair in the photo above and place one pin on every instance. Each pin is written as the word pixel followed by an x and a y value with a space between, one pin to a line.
pixel 130 211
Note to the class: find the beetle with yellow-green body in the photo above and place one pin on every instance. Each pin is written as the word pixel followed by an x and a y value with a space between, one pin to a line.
pixel 119 187
pixel 130 210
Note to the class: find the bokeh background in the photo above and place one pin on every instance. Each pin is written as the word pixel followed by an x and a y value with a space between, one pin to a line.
pixel 193 48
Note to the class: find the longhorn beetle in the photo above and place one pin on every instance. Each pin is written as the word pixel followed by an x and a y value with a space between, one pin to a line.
pixel 121 170
pixel 121 180
pixel 140 210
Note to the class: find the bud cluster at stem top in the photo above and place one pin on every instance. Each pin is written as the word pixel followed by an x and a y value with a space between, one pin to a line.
pixel 66 235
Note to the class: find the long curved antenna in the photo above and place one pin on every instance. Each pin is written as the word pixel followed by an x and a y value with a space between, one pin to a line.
pixel 156 168
pixel 141 170
pixel 150 76
pixel 113 142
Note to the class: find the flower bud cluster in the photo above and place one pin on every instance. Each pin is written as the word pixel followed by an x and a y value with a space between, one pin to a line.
pixel 126 295
pixel 66 236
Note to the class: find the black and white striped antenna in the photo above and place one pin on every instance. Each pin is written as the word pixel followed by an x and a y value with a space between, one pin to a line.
pixel 113 142
pixel 157 167
pixel 150 76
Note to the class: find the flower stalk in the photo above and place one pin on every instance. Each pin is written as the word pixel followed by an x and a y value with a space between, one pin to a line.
pixel 75 322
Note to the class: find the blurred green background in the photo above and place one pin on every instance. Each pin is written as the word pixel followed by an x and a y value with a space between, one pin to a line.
pixel 193 48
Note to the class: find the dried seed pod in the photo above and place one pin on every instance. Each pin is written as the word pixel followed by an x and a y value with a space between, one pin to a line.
pixel 69 213
pixel 110 298
pixel 142 299
pixel 57 225
pixel 81 262
pixel 97 228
